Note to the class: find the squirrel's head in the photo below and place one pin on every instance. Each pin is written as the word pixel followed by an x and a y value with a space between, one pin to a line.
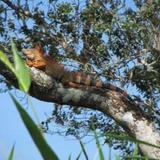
pixel 33 53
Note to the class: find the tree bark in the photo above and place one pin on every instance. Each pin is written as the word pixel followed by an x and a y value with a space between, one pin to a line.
pixel 111 103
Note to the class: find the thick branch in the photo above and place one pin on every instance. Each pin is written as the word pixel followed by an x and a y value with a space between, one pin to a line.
pixel 109 102
pixel 16 8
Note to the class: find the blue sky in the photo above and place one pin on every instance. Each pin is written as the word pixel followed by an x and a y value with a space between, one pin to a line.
pixel 14 132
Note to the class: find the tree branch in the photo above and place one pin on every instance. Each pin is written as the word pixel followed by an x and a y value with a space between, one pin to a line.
pixel 111 103
pixel 16 8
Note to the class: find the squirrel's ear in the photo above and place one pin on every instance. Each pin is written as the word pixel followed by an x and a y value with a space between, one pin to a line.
pixel 39 48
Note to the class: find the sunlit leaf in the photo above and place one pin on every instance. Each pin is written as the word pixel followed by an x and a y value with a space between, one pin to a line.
pixel 11 154
pixel 21 71
pixel 135 152
pixel 6 61
pixel 101 155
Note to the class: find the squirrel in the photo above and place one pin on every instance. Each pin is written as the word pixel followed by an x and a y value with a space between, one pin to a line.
pixel 38 59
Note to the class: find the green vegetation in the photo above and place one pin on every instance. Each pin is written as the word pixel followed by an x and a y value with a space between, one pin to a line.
pixel 11 154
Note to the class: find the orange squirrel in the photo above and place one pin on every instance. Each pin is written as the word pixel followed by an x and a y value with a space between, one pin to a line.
pixel 36 58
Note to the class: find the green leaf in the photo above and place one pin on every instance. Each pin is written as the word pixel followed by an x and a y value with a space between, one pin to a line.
pixel 78 157
pixel 45 150
pixel 101 156
pixel 69 158
pixel 117 158
pixel 83 149
pixel 6 61
pixel 138 157
pixel 11 154
pixel 125 137
pixel 135 152
pixel 21 71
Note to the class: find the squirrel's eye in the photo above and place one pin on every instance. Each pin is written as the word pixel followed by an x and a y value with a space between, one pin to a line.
pixel 30 56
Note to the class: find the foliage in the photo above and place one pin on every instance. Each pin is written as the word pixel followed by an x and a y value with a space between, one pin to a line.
pixel 101 155
pixel 11 154
pixel 117 40
pixel 19 69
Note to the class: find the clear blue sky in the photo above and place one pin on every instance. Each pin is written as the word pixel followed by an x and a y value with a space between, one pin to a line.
pixel 14 132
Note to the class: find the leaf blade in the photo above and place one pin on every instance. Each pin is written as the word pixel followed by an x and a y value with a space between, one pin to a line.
pixel 6 61
pixel 45 150
pixel 83 150
pixel 21 71
pixel 11 154
pixel 101 155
